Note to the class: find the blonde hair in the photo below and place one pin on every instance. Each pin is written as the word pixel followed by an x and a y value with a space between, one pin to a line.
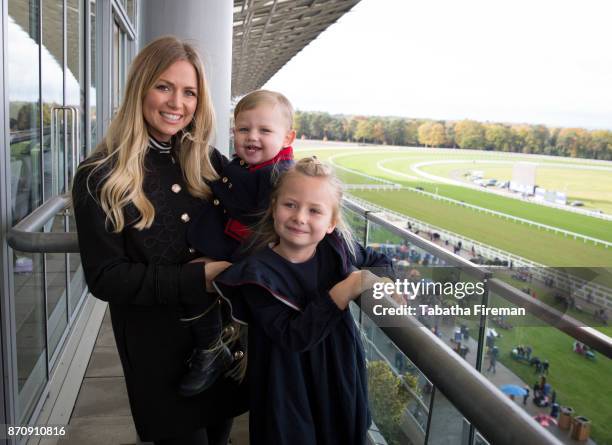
pixel 264 233
pixel 265 97
pixel 121 153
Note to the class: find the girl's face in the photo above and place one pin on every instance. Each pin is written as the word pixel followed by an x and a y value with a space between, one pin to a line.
pixel 170 105
pixel 303 214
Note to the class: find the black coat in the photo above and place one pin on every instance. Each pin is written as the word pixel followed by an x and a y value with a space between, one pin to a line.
pixel 304 353
pixel 241 197
pixel 145 277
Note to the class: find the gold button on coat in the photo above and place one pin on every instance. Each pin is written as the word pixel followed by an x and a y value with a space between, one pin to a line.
pixel 176 188
pixel 238 355
pixel 191 250
pixel 185 217
pixel 224 179
pixel 216 202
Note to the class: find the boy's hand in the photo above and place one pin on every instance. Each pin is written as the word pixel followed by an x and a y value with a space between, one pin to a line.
pixel 211 270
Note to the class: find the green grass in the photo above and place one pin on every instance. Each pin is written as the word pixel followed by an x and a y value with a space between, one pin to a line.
pixel 580 383
pixel 593 187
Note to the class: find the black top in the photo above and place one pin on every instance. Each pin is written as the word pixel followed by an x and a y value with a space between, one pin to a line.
pixel 304 353
pixel 241 196
pixel 144 276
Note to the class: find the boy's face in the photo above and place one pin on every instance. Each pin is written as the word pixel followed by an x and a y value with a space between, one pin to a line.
pixel 260 133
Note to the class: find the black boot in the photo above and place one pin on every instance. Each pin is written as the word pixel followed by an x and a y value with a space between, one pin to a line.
pixel 205 367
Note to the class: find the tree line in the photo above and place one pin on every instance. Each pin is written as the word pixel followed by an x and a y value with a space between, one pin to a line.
pixel 517 138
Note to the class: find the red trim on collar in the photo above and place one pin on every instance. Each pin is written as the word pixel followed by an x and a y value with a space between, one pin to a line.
pixel 237 230
pixel 286 154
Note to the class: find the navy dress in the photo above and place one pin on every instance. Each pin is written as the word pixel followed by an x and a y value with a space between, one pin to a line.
pixel 305 355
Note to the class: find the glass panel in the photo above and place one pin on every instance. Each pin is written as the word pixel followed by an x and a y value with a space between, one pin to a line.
pixel 55 136
pixel 399 394
pixel 25 185
pixel 116 69
pixel 447 424
pixel 131 11
pixel 92 88
pixel 555 369
pixel 75 96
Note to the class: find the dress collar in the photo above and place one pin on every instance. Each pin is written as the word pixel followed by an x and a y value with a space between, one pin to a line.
pixel 160 147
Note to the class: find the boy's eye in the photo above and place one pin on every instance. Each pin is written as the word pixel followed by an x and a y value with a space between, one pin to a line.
pixel 243 130
pixel 265 130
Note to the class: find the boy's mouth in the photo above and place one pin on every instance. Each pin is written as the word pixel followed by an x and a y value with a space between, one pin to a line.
pixel 252 148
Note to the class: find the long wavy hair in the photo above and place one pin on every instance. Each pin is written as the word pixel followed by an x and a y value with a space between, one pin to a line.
pixel 120 155
pixel 264 233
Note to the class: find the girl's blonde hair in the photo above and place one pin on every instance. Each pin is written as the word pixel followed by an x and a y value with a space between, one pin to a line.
pixel 264 233
pixel 120 156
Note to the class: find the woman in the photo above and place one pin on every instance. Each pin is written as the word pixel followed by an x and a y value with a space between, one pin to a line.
pixel 133 201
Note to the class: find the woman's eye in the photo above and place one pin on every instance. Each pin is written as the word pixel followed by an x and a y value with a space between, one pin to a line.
pixel 191 93
pixel 162 87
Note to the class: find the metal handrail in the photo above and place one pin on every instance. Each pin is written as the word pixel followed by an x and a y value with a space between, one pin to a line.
pixel 565 323
pixel 26 236
pixel 495 416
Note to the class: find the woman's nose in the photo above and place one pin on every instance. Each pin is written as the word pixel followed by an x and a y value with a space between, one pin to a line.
pixel 174 101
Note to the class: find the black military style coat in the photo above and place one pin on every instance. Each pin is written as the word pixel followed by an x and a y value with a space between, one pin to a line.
pixel 241 196
pixel 145 277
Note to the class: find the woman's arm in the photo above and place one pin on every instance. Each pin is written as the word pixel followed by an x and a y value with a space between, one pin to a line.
pixel 114 277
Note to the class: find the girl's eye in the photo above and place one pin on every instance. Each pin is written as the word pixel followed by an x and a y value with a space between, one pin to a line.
pixel 317 211
pixel 289 205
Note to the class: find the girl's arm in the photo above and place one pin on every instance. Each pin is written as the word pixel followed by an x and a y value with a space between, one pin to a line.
pixel 287 327
pixel 114 277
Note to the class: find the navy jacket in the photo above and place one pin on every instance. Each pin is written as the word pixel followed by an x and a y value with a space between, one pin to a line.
pixel 304 352
pixel 241 196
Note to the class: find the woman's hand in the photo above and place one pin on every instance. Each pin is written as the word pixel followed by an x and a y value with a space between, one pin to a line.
pixel 352 286
pixel 202 259
pixel 211 270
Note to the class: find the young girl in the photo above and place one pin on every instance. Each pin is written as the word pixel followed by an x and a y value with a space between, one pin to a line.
pixel 306 363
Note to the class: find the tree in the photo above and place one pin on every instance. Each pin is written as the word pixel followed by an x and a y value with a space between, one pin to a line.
pixel 498 137
pixel 388 395
pixel 411 133
pixel 470 134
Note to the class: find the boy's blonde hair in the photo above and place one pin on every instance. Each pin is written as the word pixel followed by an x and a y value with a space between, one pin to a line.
pixel 264 233
pixel 266 97
pixel 121 153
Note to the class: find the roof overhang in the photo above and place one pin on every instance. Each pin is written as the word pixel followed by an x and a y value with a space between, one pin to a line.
pixel 268 33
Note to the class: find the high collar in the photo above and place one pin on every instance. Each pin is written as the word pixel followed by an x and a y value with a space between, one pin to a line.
pixel 286 154
pixel 160 147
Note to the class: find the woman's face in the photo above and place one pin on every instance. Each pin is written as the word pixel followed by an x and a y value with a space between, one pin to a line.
pixel 169 106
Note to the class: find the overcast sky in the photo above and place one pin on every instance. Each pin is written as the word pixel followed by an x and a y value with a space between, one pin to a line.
pixel 536 61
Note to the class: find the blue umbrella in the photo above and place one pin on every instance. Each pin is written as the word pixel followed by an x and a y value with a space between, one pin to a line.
pixel 513 390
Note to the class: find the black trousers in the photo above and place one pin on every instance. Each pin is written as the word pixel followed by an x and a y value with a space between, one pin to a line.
pixel 217 434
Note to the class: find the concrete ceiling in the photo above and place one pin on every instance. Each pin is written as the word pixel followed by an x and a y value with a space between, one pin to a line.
pixel 268 33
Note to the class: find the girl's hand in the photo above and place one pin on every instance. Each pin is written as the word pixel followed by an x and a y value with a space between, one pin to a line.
pixel 211 270
pixel 352 286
